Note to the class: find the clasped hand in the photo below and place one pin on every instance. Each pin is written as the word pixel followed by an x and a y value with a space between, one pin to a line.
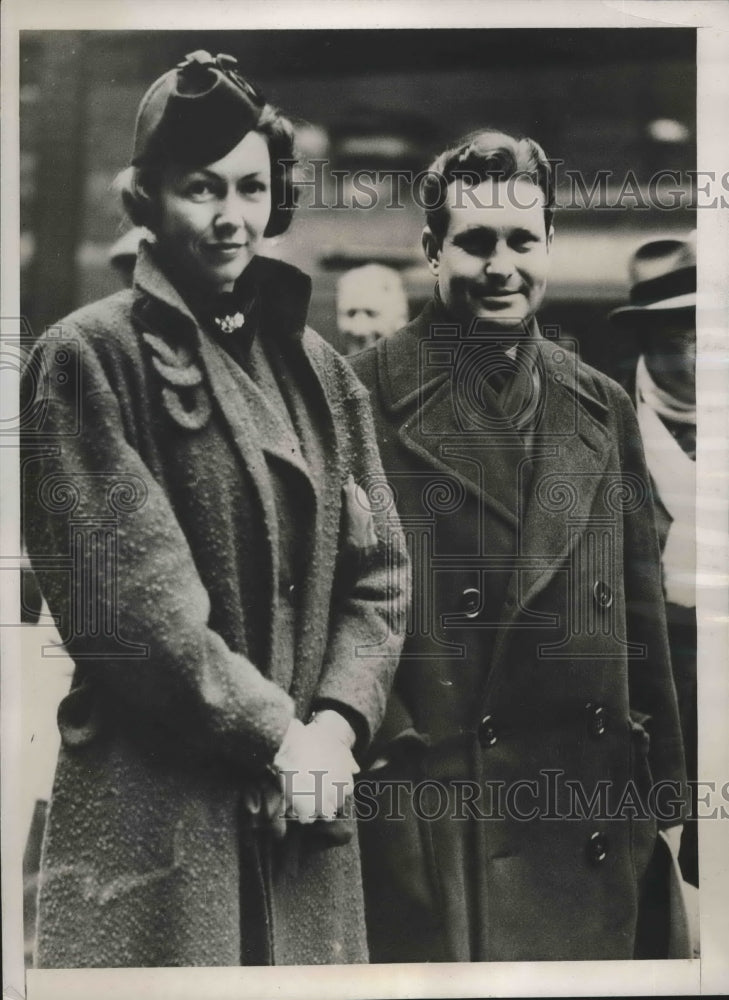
pixel 316 767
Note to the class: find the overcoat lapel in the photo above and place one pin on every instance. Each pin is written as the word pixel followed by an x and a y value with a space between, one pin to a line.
pixel 274 434
pixel 225 389
pixel 435 426
pixel 322 454
pixel 568 466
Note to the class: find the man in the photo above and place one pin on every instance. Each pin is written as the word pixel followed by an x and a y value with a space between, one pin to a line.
pixel 534 706
pixel 371 303
pixel 662 317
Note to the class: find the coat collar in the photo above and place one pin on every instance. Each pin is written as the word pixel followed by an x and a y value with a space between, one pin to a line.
pixel 283 289
pixel 416 381
pixel 400 364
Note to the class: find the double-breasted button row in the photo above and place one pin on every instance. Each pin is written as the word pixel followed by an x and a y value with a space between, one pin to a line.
pixel 597 847
pixel 597 719
pixel 602 594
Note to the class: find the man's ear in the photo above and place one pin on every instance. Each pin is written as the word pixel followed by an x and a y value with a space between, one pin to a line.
pixel 431 249
pixel 550 238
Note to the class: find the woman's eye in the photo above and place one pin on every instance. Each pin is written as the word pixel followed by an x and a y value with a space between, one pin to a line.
pixel 253 187
pixel 199 189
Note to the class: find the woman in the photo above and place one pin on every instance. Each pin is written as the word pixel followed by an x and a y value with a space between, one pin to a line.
pixel 195 494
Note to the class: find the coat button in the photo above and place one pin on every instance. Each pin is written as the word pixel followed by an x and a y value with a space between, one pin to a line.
pixel 602 593
pixel 487 734
pixel 597 719
pixel 471 602
pixel 597 848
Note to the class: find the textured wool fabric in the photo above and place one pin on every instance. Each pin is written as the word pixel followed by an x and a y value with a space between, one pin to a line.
pixel 143 453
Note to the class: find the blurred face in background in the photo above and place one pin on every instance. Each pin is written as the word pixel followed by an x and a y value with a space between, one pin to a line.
pixel 212 218
pixel 670 355
pixel 371 304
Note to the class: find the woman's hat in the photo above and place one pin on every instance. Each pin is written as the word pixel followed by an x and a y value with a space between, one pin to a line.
pixel 663 281
pixel 195 113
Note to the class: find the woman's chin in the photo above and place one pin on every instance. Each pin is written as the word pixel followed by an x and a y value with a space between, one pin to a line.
pixel 223 279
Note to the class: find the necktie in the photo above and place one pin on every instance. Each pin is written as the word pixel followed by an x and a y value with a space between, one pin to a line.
pixel 516 384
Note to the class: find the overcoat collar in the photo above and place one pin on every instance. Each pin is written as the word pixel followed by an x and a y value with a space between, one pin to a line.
pixel 284 292
pixel 402 383
pixel 535 494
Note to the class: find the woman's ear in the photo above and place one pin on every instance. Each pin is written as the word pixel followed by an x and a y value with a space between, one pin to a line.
pixel 431 249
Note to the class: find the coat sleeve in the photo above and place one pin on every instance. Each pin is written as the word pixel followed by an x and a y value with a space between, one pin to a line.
pixel 372 586
pixel 652 690
pixel 137 619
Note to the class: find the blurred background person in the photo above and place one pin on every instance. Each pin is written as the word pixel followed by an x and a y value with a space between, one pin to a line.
pixel 371 303
pixel 123 253
pixel 661 317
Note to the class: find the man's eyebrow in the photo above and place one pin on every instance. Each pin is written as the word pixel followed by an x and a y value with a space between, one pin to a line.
pixel 524 233
pixel 478 229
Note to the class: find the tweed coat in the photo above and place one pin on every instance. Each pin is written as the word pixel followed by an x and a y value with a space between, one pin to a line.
pixel 535 667
pixel 151 521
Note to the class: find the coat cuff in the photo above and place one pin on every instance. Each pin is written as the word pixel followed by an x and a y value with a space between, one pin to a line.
pixel 354 718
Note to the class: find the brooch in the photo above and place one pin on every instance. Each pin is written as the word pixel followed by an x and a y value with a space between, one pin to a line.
pixel 228 324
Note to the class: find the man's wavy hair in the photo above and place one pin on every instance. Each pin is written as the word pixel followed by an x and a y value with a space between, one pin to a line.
pixel 478 156
pixel 139 186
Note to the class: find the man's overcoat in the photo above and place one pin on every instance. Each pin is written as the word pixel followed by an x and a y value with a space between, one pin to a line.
pixel 535 671
pixel 154 513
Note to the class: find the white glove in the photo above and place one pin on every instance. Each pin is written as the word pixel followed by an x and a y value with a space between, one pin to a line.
pixel 316 766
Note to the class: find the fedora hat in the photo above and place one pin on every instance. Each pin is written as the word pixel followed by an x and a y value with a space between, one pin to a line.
pixel 663 281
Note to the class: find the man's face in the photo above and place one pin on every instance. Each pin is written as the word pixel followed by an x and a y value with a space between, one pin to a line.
pixel 494 259
pixel 670 356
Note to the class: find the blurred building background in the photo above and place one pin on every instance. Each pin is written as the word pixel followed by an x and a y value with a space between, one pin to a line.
pixel 617 101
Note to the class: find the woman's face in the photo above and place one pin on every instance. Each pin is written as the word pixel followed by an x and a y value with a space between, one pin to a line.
pixel 212 218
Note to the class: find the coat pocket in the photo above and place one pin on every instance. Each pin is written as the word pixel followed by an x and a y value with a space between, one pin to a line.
pixel 397 845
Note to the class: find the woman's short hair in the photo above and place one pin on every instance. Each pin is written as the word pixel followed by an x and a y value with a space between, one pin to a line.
pixel 139 185
pixel 478 156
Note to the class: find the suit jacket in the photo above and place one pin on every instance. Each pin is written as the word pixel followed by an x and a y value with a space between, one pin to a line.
pixel 536 657
pixel 152 522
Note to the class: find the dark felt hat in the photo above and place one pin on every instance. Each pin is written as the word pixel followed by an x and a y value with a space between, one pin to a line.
pixel 195 113
pixel 663 282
